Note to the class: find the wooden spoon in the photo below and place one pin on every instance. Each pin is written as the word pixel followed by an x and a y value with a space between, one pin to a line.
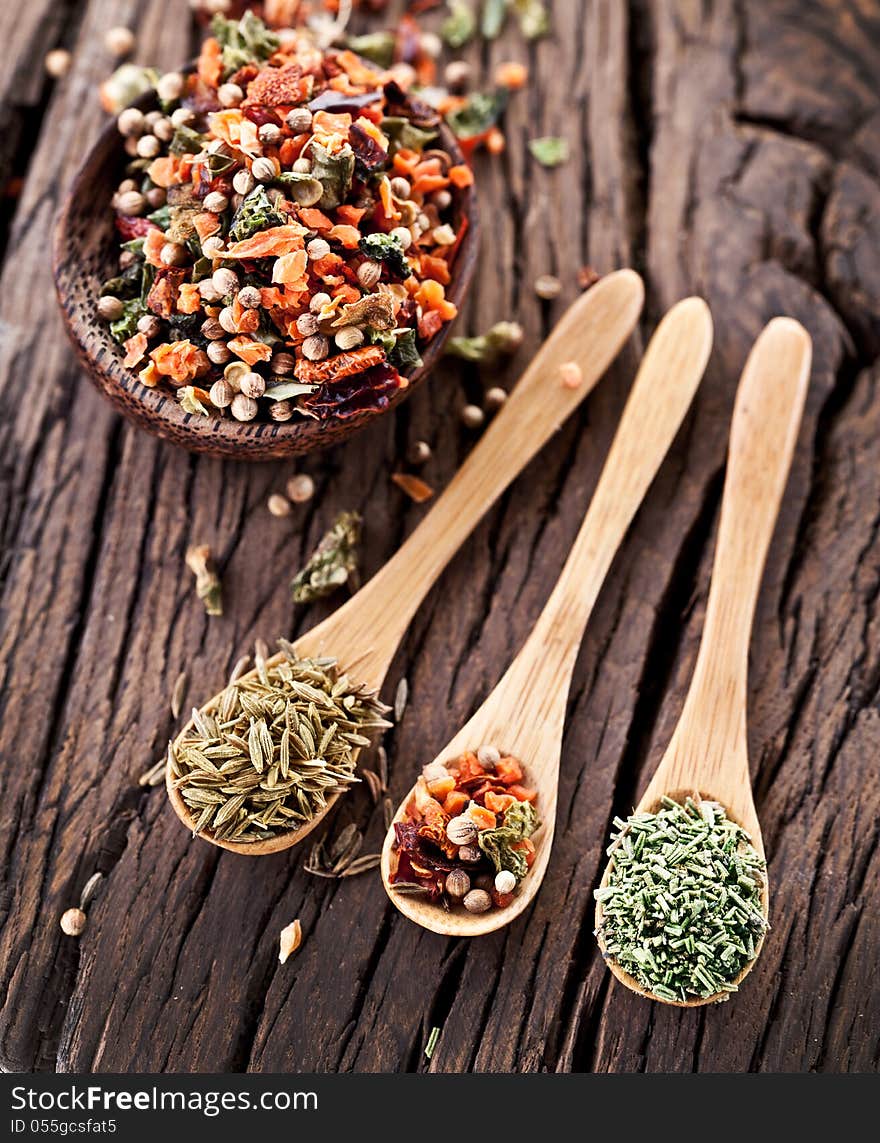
pixel 707 756
pixel 364 634
pixel 525 714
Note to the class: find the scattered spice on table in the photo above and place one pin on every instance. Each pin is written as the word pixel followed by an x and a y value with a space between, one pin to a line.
pixel 682 910
pixel 431 1045
pixel 289 229
pixel 547 286
pixel 494 399
pixel 57 63
pixel 550 151
pixel 277 745
pixel 290 940
pixel 571 375
pixel 342 856
pixel 178 694
pixel 73 921
pixel 415 488
pixel 209 589
pixel 465 835
pixel 334 563
pixel 502 340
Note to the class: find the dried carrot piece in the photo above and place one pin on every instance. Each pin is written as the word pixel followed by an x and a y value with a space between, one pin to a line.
pixel 415 488
pixel 461 176
pixel 250 352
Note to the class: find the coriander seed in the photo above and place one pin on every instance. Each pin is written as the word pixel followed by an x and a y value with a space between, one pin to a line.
pixel 300 488
pixel 444 235
pixel 283 364
pixel 318 248
pixel 253 385
pixel 229 94
pixel 131 204
pixel 270 134
pixel 148 147
pixel 73 922
pixel 156 197
pixel 418 453
pixel 216 202
pixel 315 348
pixel 281 411
pixel 299 120
pixel 243 408
pixel 307 324
pixel 150 324
pixel 349 337
pixel 477 901
pixel 119 41
pixel 57 63
pixel 221 394
pixel 494 399
pixel 212 330
pixel 278 505
pixel 470 854
pixel 461 830
pixel 400 187
pixel 172 254
pixel 170 87
pixel 218 352
pixel 110 308
pixel 368 274
pixel 458 884
pixel 403 236
pixel 264 170
pixel 457 74
pixel 302 166
pixel 225 282
pixel 548 287
pixel 213 248
pixel 472 416
pixel 505 881
pixel 489 757
pixel 182 117
pixel 319 301
pixel 243 181
pixel 250 297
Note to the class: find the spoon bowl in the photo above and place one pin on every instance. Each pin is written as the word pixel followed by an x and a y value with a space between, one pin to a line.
pixel 363 635
pixel 525 714
pixel 707 756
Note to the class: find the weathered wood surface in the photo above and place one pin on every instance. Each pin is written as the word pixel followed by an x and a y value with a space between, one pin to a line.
pixel 729 148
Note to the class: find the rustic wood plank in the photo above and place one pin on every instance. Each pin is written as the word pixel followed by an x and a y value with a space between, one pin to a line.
pixel 728 148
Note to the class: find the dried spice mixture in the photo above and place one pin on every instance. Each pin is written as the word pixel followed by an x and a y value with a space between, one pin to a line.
pixel 289 229
pixel 465 838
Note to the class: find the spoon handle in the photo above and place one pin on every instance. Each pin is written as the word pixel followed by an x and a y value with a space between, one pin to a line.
pixel 766 419
pixel 591 333
pixel 660 397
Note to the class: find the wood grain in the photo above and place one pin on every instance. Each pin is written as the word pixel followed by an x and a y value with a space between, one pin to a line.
pixel 729 149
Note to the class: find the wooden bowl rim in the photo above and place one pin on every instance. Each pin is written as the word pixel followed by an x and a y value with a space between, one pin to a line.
pixel 157 411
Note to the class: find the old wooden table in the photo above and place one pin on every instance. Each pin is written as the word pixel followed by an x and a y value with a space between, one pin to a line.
pixel 730 148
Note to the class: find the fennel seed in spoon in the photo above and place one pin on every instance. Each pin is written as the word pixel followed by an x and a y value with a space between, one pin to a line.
pixel 276 745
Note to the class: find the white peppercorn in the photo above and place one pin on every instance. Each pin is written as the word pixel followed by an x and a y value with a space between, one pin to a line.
pixel 119 41
pixel 318 248
pixel 131 203
pixel 505 881
pixel 221 394
pixel 349 337
pixel 218 352
pixel 281 410
pixel 458 884
pixel 419 452
pixel 212 329
pixel 73 922
pixel 319 301
pixel 283 364
pixel 369 273
pixel 227 319
pixel 253 385
pixel 494 399
pixel 243 408
pixel 130 122
pixel 250 297
pixel 278 505
pixel 472 416
pixel 270 134
pixel 302 166
pixel 182 117
pixel 229 94
pixel 477 901
pixel 57 63
pixel 299 120
pixel 315 348
pixel 170 86
pixel 307 324
pixel 403 236
pixel 547 287
pixel 263 170
pixel 148 146
pixel 488 757
pixel 216 202
pixel 243 181
pixel 150 325
pixel 461 830
pixel 400 187
pixel 172 254
pixel 110 308
pixel 301 488
pixel 213 247
pixel 225 281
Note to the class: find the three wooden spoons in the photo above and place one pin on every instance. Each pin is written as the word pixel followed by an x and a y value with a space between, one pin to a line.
pixel 707 757
pixel 525 714
pixel 363 635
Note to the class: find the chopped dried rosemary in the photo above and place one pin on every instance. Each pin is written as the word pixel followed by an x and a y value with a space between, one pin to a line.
pixel 682 910
pixel 333 563
pixel 277 745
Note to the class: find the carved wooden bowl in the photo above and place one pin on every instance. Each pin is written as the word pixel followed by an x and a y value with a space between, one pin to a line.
pixel 85 252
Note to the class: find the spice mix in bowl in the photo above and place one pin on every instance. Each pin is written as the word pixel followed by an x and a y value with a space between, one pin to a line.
pixel 292 237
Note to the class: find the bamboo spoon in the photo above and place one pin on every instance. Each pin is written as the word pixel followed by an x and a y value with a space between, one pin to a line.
pixel 364 634
pixel 707 756
pixel 525 714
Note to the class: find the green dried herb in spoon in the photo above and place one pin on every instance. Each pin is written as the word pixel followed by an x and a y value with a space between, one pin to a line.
pixel 682 911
